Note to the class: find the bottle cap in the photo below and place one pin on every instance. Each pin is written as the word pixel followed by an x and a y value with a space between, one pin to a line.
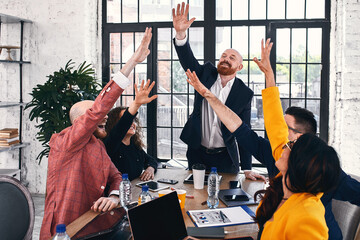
pixel 145 188
pixel 213 169
pixel 125 176
pixel 60 228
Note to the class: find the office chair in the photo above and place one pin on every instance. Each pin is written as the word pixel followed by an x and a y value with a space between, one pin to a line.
pixel 17 211
pixel 347 216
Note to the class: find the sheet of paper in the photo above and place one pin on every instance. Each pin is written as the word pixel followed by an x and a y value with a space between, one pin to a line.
pixel 221 216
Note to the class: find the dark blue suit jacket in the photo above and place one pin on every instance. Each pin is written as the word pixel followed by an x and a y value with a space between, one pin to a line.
pixel 348 188
pixel 239 101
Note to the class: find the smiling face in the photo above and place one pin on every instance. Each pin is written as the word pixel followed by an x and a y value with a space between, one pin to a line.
pixel 100 129
pixel 229 63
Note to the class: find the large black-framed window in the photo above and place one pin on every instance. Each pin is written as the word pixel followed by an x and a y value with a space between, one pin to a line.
pixel 300 57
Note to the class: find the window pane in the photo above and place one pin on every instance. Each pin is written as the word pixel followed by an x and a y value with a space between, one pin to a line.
pixel 283 40
pixel 223 38
pixel 295 9
pixel 127 46
pixel 257 115
pixel 155 11
pixel 223 9
pixel 314 107
pixel 240 40
pixel 282 79
pixel 179 110
pixel 196 40
pixel 256 34
pixel 144 137
pixel 164 143
pixel 298 45
pixel 257 9
pixel 140 73
pixel 179 147
pixel 297 103
pixel 284 104
pixel 314 45
pixel 130 10
pixel 164 43
pixel 315 8
pixel 243 73
pixel 126 100
pixel 179 78
pixel 113 11
pixel 164 110
pixel 142 116
pixel 239 9
pixel 196 9
pixel 276 9
pixel 115 55
pixel 257 79
pixel 313 80
pixel 298 80
pixel 164 77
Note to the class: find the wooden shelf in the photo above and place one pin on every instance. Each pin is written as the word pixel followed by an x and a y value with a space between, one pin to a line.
pixel 11 104
pixel 15 146
pixel 17 62
pixel 10 19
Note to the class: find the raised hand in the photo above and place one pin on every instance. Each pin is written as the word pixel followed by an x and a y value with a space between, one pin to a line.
pixel 143 50
pixel 141 96
pixel 194 81
pixel 180 21
pixel 264 63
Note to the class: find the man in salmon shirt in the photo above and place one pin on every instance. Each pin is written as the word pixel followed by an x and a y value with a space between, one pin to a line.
pixel 79 168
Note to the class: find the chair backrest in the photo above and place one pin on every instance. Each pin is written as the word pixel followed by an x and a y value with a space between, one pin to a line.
pixel 17 211
pixel 347 216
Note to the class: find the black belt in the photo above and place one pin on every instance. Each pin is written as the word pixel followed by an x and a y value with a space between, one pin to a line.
pixel 212 150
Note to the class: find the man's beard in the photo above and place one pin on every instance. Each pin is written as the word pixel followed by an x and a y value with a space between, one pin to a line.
pixel 225 70
pixel 100 134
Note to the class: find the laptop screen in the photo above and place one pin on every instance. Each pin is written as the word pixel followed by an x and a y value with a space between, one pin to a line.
pixel 159 219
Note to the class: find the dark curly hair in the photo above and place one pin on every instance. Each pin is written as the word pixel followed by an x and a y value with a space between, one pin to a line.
pixel 313 167
pixel 114 117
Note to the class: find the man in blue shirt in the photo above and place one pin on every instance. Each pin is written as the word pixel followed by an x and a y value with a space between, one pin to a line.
pixel 299 121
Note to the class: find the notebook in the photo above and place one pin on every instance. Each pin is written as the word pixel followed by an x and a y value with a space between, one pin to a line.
pixel 159 219
pixel 236 191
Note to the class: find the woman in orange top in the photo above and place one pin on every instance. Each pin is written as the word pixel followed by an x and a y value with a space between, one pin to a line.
pixel 291 207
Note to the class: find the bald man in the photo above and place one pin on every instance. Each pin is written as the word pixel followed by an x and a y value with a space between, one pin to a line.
pixel 79 169
pixel 209 141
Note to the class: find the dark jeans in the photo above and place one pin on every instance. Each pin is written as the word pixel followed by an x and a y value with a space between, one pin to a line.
pixel 221 161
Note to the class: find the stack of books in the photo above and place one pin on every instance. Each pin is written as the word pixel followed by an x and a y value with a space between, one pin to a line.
pixel 9 136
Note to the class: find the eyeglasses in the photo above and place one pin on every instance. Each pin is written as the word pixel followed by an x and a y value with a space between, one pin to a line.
pixel 289 145
pixel 294 130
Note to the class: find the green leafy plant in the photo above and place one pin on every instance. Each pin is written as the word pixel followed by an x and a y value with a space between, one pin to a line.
pixel 52 101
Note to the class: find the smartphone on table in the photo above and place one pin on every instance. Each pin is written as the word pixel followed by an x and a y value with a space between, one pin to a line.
pixel 169 181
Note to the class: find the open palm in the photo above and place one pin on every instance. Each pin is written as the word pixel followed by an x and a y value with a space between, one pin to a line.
pixel 180 21
pixel 142 94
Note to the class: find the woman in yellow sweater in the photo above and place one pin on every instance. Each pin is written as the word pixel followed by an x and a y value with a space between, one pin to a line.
pixel 291 207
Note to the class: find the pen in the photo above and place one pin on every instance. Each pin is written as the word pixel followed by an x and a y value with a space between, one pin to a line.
pixel 189 196
pixel 222 216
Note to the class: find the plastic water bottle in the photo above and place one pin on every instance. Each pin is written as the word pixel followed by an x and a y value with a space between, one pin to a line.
pixel 61 233
pixel 213 189
pixel 125 191
pixel 144 195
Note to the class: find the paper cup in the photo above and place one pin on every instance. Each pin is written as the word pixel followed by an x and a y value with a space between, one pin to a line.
pixel 181 195
pixel 164 192
pixel 198 175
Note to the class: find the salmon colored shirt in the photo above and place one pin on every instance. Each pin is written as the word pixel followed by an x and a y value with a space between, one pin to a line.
pixel 302 216
pixel 79 169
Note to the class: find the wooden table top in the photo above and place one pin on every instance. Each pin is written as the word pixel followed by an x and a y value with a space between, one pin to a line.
pixel 200 195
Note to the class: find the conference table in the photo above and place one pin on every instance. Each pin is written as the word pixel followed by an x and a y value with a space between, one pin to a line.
pixel 200 195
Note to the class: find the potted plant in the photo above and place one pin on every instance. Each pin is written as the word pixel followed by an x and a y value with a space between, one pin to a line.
pixel 51 102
